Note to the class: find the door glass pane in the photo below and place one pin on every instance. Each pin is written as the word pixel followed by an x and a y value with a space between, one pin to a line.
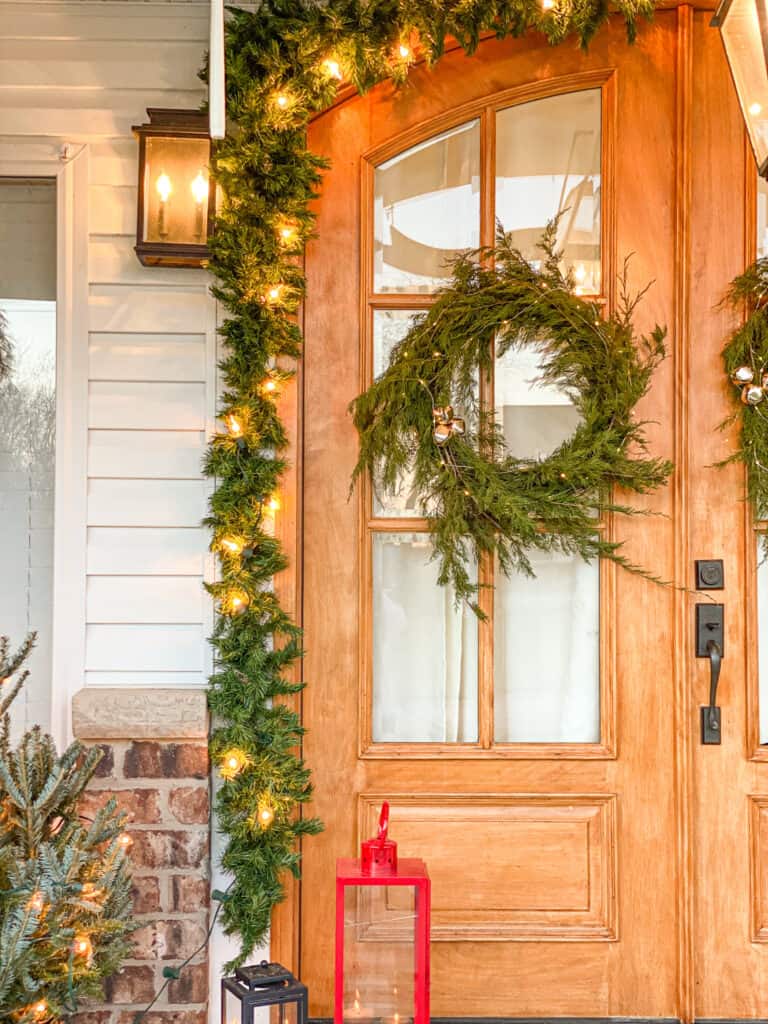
pixel 547 652
pixel 548 162
pixel 424 648
pixel 535 418
pixel 426 210
pixel 762 637
pixel 762 217
pixel 27 429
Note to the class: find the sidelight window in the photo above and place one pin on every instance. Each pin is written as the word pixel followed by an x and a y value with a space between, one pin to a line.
pixel 529 674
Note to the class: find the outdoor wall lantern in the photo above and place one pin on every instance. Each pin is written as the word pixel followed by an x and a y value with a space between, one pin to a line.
pixel 382 936
pixel 743 26
pixel 263 994
pixel 176 201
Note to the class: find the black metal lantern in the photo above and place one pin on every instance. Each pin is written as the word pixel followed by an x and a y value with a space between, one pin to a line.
pixel 743 26
pixel 176 197
pixel 264 985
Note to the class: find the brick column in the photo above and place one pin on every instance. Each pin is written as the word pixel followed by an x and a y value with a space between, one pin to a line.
pixel 156 765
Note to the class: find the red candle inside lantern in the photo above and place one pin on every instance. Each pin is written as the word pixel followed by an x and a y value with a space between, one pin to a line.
pixel 382 935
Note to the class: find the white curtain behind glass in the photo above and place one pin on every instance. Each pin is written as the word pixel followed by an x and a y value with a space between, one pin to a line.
pixel 424 648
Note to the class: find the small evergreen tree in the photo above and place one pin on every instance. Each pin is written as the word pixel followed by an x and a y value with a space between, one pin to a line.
pixel 64 883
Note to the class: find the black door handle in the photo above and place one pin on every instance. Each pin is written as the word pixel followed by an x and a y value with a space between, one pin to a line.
pixel 710 644
pixel 710 716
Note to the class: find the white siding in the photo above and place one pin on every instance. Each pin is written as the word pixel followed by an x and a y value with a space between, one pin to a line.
pixel 85 72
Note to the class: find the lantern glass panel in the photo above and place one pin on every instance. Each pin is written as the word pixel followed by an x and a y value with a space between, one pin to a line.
pixel 744 27
pixel 379 954
pixel 176 190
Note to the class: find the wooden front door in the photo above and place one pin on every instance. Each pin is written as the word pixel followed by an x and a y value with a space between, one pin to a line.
pixel 589 858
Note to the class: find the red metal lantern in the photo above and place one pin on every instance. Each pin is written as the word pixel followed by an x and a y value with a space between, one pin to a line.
pixel 382 935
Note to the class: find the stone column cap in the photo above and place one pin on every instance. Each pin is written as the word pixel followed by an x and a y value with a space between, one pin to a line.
pixel 120 713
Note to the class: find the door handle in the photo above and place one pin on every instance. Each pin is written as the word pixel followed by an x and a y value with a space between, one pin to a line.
pixel 710 632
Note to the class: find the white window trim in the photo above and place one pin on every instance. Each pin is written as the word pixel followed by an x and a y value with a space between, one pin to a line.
pixel 68 164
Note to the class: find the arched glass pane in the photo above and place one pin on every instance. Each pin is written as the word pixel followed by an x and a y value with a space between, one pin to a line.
pixel 426 209
pixel 548 163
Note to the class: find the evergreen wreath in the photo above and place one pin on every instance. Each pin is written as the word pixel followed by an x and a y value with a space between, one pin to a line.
pixel 477 498
pixel 285 62
pixel 745 359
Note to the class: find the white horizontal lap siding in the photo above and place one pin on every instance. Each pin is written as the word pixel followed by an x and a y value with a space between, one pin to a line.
pixel 85 72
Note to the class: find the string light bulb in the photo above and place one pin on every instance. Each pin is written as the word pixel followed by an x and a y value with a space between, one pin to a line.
pixel 269 386
pixel 281 100
pixel 232 763
pixel 755 109
pixel 232 544
pixel 39 1009
pixel 265 816
pixel 274 504
pixel 234 426
pixel 333 69
pixel 274 294
pixel 125 841
pixel 236 602
pixel 404 51
pixel 287 232
pixel 547 5
pixel 82 947
pixel 36 902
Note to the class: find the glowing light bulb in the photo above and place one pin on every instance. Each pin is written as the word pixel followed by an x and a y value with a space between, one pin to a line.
pixel 274 503
pixel 269 385
pixel 547 5
pixel 273 295
pixel 265 816
pixel 36 902
pixel 199 187
pixel 404 51
pixel 287 232
pixel 234 426
pixel 82 946
pixel 232 763
pixel 236 602
pixel 164 187
pixel 232 545
pixel 580 273
pixel 40 1009
pixel 333 68
pixel 125 840
pixel 755 109
pixel 281 100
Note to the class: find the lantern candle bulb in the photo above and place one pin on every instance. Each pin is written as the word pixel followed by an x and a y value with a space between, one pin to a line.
pixel 199 187
pixel 164 189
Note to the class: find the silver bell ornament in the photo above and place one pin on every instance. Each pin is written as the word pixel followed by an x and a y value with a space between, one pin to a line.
pixel 458 426
pixel 752 394
pixel 743 375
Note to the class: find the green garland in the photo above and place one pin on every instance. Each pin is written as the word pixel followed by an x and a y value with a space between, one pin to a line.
pixel 745 358
pixel 479 499
pixel 284 62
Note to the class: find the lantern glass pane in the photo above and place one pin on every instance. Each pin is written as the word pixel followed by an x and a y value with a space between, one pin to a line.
pixel 379 954
pixel 232 1009
pixel 547 652
pixel 426 210
pixel 282 1013
pixel 176 190
pixel 744 28
pixel 548 162
pixel 424 648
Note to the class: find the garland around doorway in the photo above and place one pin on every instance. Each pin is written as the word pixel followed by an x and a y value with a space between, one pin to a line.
pixel 285 62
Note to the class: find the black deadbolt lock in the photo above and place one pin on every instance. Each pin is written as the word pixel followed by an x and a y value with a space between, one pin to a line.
pixel 710 574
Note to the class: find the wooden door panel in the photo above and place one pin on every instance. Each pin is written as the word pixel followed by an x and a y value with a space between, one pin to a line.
pixel 575 850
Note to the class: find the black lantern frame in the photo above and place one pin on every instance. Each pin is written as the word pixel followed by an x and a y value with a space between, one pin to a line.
pixel 185 248
pixel 743 26
pixel 265 985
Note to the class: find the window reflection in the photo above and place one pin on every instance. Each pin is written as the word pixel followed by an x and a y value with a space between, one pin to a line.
pixel 426 210
pixel 547 163
pixel 27 430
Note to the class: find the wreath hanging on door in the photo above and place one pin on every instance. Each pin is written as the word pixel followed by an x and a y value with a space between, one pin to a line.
pixel 745 358
pixel 478 498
